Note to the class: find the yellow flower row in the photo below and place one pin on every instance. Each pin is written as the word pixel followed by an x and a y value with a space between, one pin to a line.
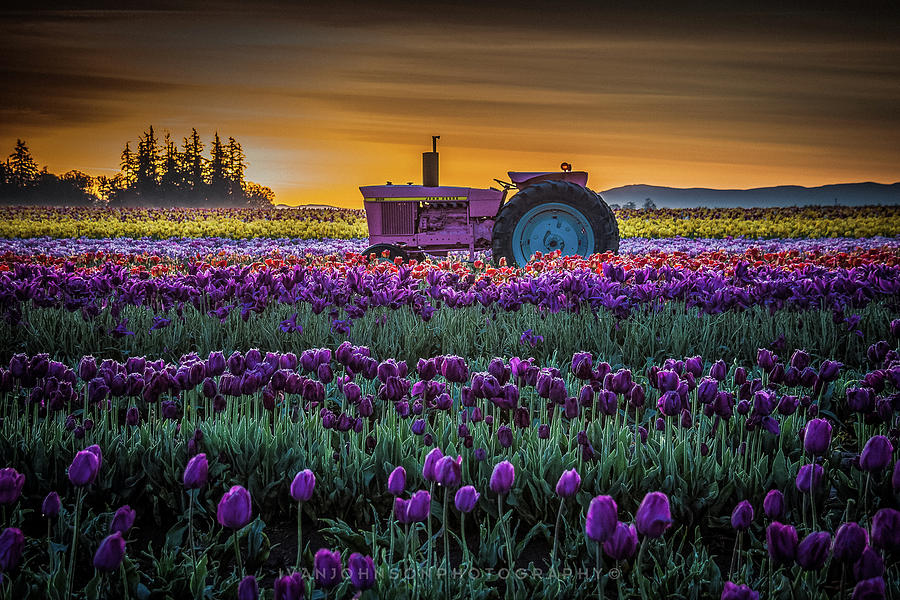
pixel 791 227
pixel 106 227
pixel 836 221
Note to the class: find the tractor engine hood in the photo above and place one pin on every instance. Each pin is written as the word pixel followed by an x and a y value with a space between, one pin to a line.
pixel 405 192
pixel 523 179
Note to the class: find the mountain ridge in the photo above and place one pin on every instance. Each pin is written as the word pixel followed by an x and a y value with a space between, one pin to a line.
pixel 845 194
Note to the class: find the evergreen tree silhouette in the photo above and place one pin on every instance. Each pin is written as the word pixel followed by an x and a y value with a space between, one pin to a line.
pixel 218 182
pixel 148 164
pixel 23 171
pixel 235 170
pixel 193 163
pixel 172 177
pixel 129 166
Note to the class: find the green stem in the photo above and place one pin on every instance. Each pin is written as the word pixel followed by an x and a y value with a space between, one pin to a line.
pixel 71 574
pixel 191 527
pixel 599 573
pixel 465 545
pixel 430 539
pixel 446 545
pixel 391 529
pixel 50 558
pixel 124 579
pixel 556 533
pixel 300 534
pixel 509 554
pixel 638 565
pixel 237 554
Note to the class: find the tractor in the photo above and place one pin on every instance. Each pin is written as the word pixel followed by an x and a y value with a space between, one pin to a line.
pixel 550 210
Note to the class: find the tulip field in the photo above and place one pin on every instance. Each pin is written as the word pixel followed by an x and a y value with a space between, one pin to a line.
pixel 239 404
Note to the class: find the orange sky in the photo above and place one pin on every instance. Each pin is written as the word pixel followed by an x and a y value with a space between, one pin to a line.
pixel 325 100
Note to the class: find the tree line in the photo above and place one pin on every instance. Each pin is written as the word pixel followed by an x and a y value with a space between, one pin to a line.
pixel 154 173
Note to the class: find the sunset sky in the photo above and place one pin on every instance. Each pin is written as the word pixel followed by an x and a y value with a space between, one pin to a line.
pixel 345 94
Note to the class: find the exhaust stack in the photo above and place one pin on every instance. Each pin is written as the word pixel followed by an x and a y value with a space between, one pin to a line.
pixel 430 164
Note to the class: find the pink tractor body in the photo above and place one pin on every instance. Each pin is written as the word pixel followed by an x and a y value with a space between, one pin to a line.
pixel 550 211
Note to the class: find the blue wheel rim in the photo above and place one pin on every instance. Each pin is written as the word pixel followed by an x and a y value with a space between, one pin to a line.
pixel 552 226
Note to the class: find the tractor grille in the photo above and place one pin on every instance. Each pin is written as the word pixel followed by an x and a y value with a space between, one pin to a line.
pixel 398 218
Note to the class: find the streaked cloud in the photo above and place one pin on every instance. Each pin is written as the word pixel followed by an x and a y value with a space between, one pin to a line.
pixel 326 99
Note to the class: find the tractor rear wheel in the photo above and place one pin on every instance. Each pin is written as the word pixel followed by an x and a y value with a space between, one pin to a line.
pixel 393 252
pixel 554 215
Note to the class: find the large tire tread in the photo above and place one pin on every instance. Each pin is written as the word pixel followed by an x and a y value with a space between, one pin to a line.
pixel 588 202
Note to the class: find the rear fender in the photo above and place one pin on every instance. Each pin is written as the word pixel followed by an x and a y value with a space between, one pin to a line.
pixel 523 179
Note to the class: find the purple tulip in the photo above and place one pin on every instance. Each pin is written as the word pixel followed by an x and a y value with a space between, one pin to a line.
pixel 466 499
pixel 544 431
pixel 782 543
pixel 397 481
pixel 196 472
pixel 849 542
pixel 84 468
pixel 742 515
pixel 51 505
pixel 431 461
pixel 694 365
pixel 303 486
pixel 327 564
pixel 621 381
pixel 234 510
pixel 623 542
pixel 817 436
pixel 870 589
pixel 122 520
pixel 876 454
pixel 87 368
pixel 813 550
pixel 895 477
pixel 653 516
pixel 132 416
pixel 12 542
pixel 582 363
pixel 448 471
pixel 419 507
pixel 289 587
pixel 401 510
pixel 886 529
pixel 503 477
pixel 773 504
pixel 602 518
pixel 869 565
pixel 707 390
pixel 110 553
pixel 667 381
pixel 765 359
pixel 362 571
pixel 733 591
pixel 248 589
pixel 719 370
pixel 427 369
pixel 809 477
pixel 828 370
pixel 505 436
pixel 669 403
pixel 568 483
pixel 11 482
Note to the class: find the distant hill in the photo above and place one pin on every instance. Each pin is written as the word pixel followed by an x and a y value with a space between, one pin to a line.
pixel 846 194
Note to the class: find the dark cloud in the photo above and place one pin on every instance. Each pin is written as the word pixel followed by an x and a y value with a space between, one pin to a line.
pixel 644 87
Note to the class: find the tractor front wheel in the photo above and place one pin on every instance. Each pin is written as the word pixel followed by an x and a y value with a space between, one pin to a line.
pixel 554 215
pixel 392 252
